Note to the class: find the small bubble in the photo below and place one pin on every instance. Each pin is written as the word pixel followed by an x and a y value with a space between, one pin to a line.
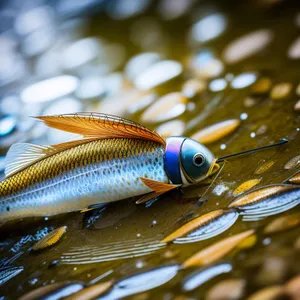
pixel 252 134
pixel 74 268
pixel 154 222
pixel 138 235
pixel 243 116
pixel 298 129
pixel 223 146
pixel 88 275
pixel 46 218
pixel 266 241
pixel 139 264
pixel 52 281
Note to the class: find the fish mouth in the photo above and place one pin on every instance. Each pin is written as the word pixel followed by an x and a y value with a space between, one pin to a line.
pixel 214 168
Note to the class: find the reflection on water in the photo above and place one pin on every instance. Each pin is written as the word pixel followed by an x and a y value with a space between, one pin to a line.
pixel 223 73
pixel 142 282
pixel 114 251
pixel 197 278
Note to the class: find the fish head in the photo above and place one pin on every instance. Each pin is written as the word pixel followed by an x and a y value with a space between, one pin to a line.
pixel 188 161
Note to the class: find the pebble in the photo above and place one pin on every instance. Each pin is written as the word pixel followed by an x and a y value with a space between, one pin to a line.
pixel 283 223
pixel 292 287
pixel 272 271
pixel 206 224
pixel 246 186
pixel 268 293
pixel 165 108
pixel 56 290
pixel 171 128
pixel 8 124
pixel 42 15
pixel 247 45
pixel 243 80
pixel 193 87
pixel 50 239
pixel 261 86
pixel 227 289
pixel 261 130
pixel 281 90
pixel 293 163
pixel 266 201
pixel 127 99
pixel 216 251
pixel 91 292
pixel 157 74
pixel 294 49
pixel 139 63
pixel 295 179
pixel 50 89
pixel 297 244
pixel 218 85
pixel 249 102
pixel 208 28
pixel 298 89
pixel 264 167
pixel 248 242
pixel 216 131
pixel 198 278
pixel 297 106
pixel 210 69
pixel 81 52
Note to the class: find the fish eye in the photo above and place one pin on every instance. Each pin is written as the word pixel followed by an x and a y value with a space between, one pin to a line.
pixel 198 160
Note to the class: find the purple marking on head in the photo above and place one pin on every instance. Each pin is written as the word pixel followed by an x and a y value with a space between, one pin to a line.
pixel 172 157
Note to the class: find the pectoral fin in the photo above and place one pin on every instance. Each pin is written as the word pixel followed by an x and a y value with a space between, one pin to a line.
pixel 147 197
pixel 158 186
pixel 94 206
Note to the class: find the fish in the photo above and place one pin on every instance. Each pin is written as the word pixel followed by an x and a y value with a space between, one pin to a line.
pixel 115 159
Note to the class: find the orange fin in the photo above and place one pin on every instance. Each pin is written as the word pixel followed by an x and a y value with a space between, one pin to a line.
pixel 157 186
pixel 100 126
pixel 147 197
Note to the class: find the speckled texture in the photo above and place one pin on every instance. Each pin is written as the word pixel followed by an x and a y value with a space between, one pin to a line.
pixel 96 172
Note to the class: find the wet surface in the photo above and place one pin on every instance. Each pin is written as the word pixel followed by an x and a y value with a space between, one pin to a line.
pixel 242 60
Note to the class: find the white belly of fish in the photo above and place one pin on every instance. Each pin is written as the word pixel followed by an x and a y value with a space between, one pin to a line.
pixel 104 182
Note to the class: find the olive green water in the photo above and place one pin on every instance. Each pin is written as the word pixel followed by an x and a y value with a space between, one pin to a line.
pixel 125 221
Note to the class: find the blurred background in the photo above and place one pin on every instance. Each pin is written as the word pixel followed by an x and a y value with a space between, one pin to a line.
pixel 176 66
pixel 64 56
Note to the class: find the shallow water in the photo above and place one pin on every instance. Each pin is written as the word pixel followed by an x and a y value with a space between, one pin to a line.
pixel 124 240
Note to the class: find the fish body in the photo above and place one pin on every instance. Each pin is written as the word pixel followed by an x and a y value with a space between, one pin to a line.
pixel 100 171
pixel 115 160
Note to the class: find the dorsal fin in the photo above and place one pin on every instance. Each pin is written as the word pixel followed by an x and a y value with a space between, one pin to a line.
pixel 23 155
pixel 101 126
